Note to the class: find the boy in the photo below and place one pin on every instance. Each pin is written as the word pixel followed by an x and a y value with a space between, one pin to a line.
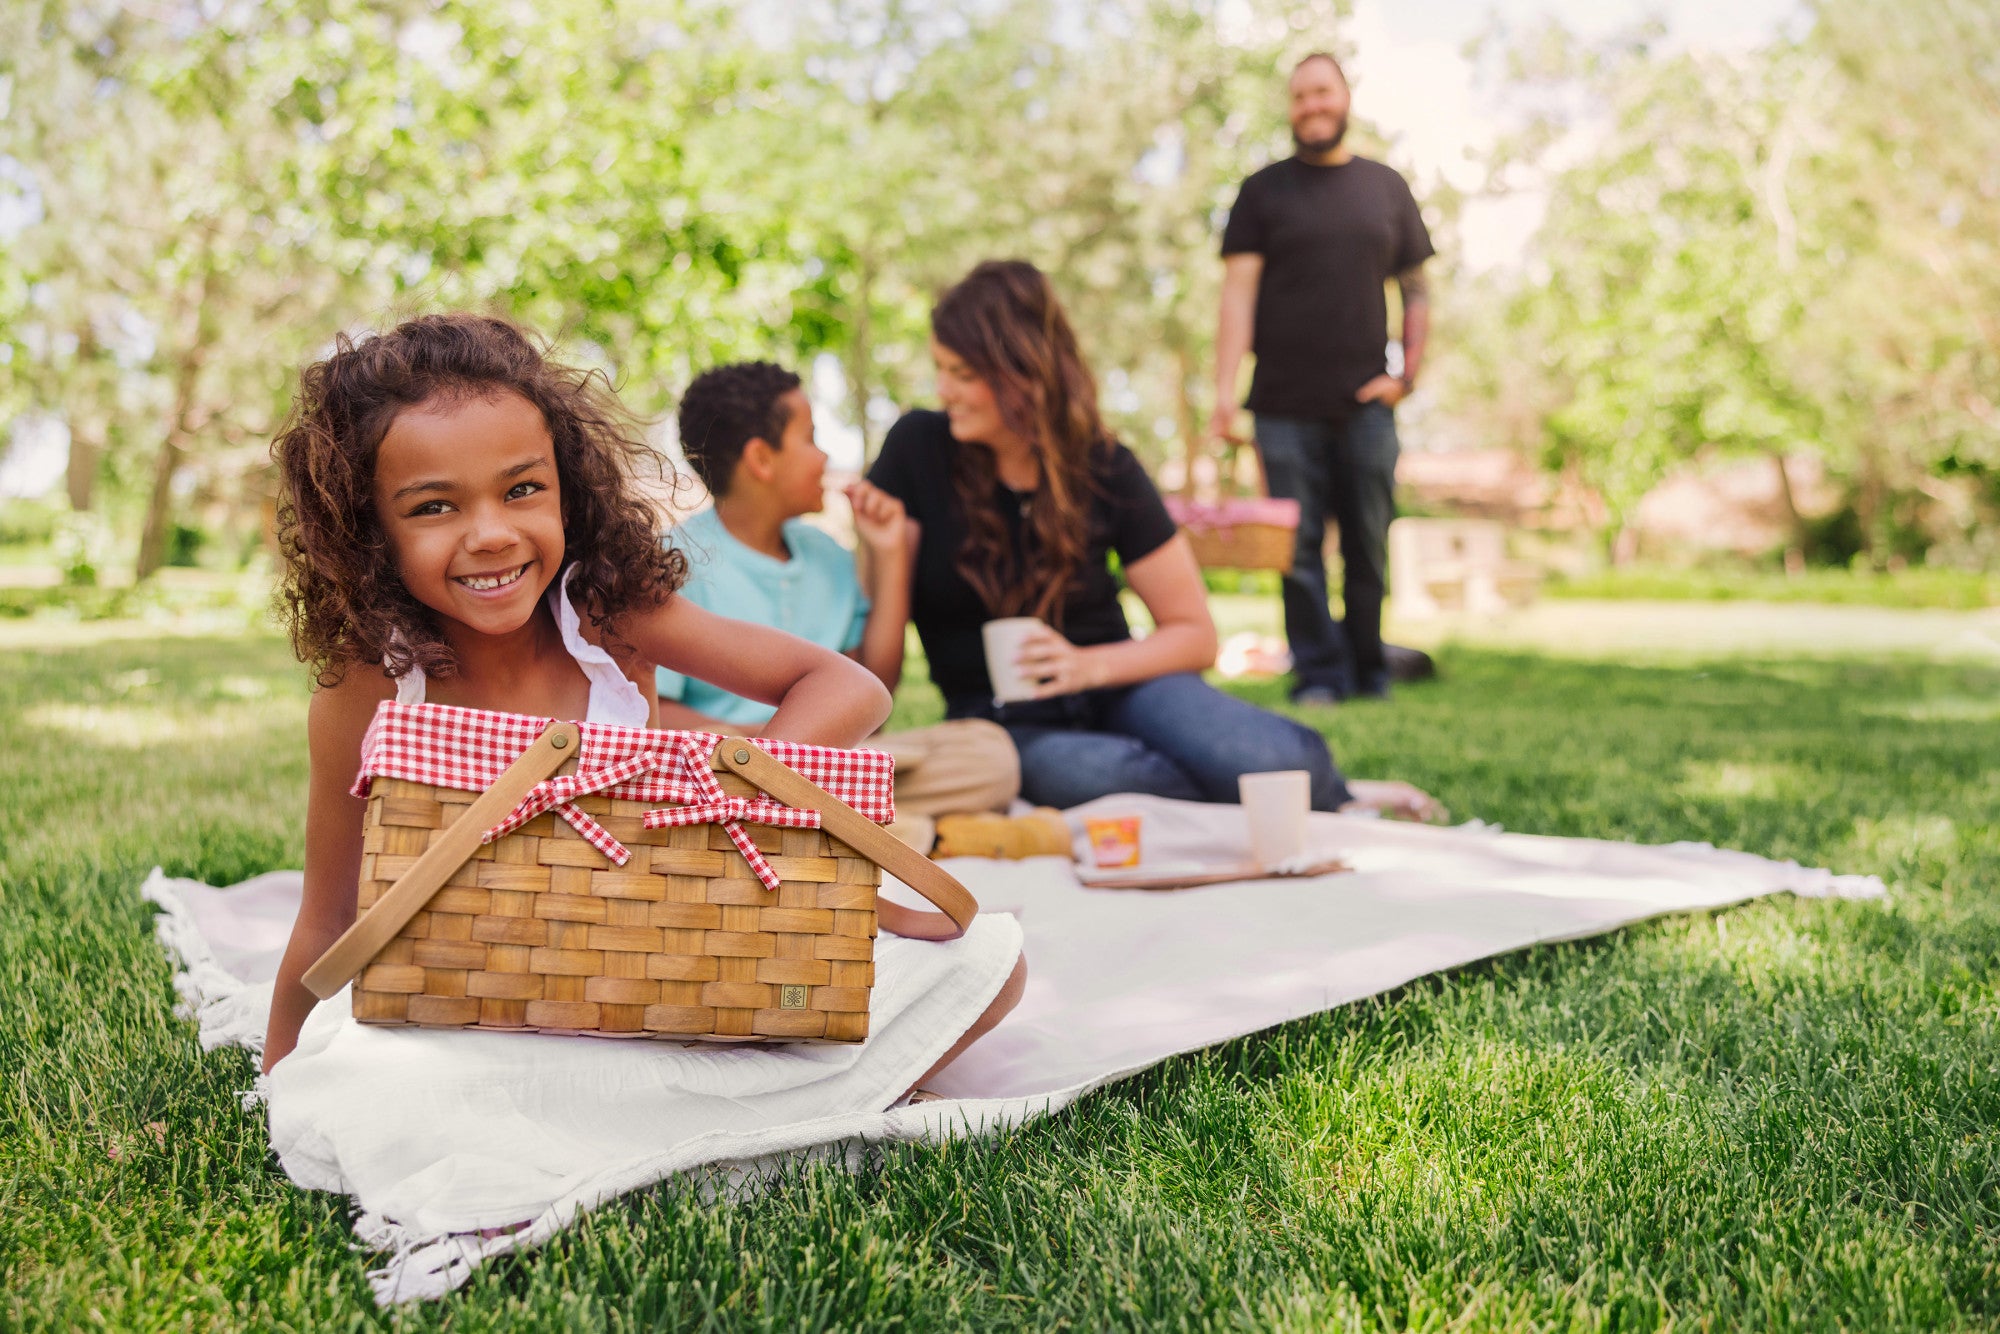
pixel 747 431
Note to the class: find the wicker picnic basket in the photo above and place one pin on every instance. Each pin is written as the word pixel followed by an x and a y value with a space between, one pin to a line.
pixel 524 874
pixel 1243 534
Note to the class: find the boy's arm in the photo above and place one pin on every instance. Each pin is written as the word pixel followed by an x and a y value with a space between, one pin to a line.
pixel 888 553
pixel 821 697
pixel 886 577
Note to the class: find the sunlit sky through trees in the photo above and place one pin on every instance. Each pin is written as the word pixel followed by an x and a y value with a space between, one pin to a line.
pixel 1417 81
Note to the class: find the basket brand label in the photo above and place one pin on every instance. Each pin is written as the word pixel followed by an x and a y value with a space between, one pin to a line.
pixel 792 997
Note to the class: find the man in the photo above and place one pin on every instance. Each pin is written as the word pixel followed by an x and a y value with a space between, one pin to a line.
pixel 1308 250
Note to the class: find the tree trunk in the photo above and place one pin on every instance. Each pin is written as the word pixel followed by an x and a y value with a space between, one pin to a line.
pixel 1795 524
pixel 153 535
pixel 1624 544
pixel 859 359
pixel 181 427
pixel 81 475
pixel 1870 500
pixel 1187 416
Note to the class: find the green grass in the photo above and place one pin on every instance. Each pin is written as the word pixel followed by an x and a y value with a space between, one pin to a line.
pixel 1779 1116
pixel 1916 586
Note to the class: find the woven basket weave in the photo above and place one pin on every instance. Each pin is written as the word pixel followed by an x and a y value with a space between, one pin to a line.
pixel 1240 534
pixel 539 930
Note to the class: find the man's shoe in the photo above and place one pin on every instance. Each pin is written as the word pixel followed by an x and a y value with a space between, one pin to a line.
pixel 1315 696
pixel 1408 664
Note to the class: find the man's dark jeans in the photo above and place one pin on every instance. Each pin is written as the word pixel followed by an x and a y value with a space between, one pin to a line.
pixel 1343 468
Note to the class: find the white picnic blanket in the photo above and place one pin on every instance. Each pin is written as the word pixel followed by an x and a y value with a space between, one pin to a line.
pixel 441 1135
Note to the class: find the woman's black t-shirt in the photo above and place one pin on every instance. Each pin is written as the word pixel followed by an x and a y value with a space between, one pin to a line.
pixel 1126 516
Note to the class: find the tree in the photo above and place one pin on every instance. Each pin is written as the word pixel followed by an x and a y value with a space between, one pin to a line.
pixel 170 292
pixel 1767 253
pixel 226 191
pixel 1906 348
pixel 909 140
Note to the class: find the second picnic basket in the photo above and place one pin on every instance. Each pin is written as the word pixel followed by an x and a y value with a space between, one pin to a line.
pixel 526 874
pixel 1241 534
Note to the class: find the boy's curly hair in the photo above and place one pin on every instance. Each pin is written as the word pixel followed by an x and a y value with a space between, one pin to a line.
pixel 724 410
pixel 342 596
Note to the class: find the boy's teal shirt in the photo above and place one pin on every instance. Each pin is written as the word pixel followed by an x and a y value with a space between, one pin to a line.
pixel 815 595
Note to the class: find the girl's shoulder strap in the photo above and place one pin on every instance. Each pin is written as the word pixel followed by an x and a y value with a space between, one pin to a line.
pixel 412 685
pixel 614 696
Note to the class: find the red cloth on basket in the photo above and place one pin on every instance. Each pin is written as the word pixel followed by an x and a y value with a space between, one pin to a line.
pixel 1202 514
pixel 470 748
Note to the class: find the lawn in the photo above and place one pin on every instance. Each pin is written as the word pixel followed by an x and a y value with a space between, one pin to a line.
pixel 1913 586
pixel 1783 1115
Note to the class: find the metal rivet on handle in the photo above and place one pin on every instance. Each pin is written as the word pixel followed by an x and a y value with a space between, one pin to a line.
pixel 742 757
pixel 560 742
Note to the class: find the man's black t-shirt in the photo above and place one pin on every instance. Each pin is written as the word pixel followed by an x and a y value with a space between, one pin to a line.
pixel 1330 238
pixel 1126 516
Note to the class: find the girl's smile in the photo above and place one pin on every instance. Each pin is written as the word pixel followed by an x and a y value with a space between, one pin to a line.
pixel 489 583
pixel 468 496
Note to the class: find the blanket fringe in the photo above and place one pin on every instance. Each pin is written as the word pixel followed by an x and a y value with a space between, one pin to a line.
pixel 230 1012
pixel 422 1268
pixel 1806 882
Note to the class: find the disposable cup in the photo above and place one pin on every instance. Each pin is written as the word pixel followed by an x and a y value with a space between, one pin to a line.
pixel 1274 808
pixel 1003 639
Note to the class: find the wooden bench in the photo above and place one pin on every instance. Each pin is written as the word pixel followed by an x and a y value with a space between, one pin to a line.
pixel 1436 565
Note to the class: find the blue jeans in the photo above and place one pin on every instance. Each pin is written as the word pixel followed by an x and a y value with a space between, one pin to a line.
pixel 1343 467
pixel 1172 736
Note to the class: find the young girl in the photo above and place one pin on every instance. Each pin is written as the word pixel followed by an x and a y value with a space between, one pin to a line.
pixel 461 523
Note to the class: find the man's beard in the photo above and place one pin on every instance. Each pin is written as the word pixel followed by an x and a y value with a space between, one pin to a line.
pixel 1321 147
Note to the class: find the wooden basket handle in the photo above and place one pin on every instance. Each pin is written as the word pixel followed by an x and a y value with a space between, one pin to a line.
pixel 859 832
pixel 451 849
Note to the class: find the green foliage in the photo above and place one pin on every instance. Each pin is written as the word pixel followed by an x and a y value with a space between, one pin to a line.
pixel 82 549
pixel 184 543
pixel 1774 253
pixel 657 184
pixel 1780 1116
pixel 29 522
pixel 1256 583
pixel 1783 251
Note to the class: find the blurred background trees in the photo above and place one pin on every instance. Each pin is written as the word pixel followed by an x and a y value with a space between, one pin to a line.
pixel 1784 255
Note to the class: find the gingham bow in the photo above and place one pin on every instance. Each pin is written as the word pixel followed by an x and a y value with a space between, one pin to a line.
pixel 561 791
pixel 730 812
pixel 711 804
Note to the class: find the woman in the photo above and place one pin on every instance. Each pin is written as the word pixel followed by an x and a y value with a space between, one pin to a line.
pixel 1022 497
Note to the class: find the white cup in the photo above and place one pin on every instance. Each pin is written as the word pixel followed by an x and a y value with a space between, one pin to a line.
pixel 1003 639
pixel 1274 807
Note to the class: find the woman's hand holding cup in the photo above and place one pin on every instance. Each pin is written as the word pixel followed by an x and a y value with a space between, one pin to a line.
pixel 1027 660
pixel 1056 665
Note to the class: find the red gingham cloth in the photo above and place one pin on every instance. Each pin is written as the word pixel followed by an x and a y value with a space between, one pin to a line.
pixel 470 748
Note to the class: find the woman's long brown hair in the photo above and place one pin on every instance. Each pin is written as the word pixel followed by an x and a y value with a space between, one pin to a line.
pixel 1004 321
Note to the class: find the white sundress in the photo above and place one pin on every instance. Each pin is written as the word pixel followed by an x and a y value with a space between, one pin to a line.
pixel 614 698
pixel 439 1132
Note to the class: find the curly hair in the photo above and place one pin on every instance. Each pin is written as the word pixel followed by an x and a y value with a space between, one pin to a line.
pixel 724 410
pixel 342 596
pixel 1005 321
